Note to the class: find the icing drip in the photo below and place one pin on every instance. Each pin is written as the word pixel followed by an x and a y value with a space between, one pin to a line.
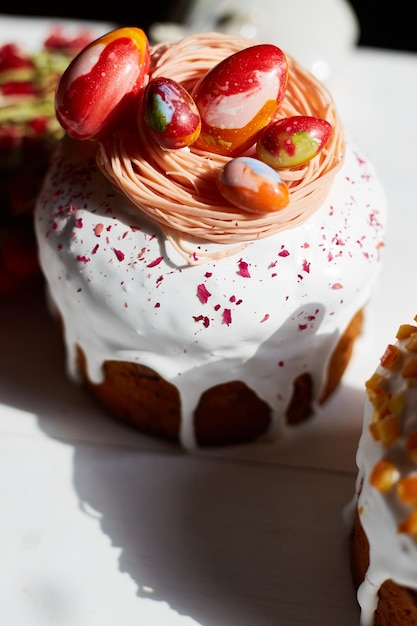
pixel 264 316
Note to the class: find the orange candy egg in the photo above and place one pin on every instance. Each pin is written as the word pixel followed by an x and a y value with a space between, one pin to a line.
pixel 253 186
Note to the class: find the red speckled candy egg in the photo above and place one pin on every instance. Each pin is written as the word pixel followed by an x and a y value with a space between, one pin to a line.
pixel 292 141
pixel 170 114
pixel 239 97
pixel 252 185
pixel 100 85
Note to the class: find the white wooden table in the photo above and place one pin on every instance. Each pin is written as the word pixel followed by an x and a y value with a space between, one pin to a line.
pixel 102 526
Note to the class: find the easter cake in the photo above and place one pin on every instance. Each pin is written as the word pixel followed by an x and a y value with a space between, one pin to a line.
pixel 384 530
pixel 208 236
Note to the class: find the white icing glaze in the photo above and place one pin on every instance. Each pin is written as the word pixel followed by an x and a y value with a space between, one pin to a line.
pixel 392 554
pixel 126 294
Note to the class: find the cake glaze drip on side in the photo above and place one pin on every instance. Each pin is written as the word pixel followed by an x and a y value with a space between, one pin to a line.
pixel 264 316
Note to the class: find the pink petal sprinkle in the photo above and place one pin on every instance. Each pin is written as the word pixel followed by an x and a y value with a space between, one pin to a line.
pixel 202 318
pixel 95 249
pixel 155 262
pixel 337 286
pixel 83 258
pixel 283 253
pixel 203 293
pixel 265 318
pixel 120 255
pixel 360 160
pixel 78 223
pixel 244 269
pixel 306 266
pixel 227 316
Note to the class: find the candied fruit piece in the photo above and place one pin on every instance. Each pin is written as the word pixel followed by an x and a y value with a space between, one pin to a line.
pixel 384 475
pixel 396 403
pixel 392 357
pixel 386 430
pixel 373 429
pixel 405 330
pixel 381 405
pixel 409 369
pixel 373 383
pixel 407 489
pixel 411 343
pixel 375 390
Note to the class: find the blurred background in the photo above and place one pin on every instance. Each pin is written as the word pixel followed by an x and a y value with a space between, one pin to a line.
pixel 389 27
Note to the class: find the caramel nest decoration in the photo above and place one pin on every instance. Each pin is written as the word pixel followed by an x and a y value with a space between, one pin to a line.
pixel 177 188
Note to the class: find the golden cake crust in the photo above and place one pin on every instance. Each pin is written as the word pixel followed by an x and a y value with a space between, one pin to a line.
pixel 226 414
pixel 397 606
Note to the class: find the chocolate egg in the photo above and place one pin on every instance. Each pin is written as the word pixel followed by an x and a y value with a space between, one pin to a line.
pixel 99 87
pixel 292 141
pixel 170 114
pixel 252 185
pixel 238 97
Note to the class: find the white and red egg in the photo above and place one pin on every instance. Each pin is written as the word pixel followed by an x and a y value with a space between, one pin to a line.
pixel 100 86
